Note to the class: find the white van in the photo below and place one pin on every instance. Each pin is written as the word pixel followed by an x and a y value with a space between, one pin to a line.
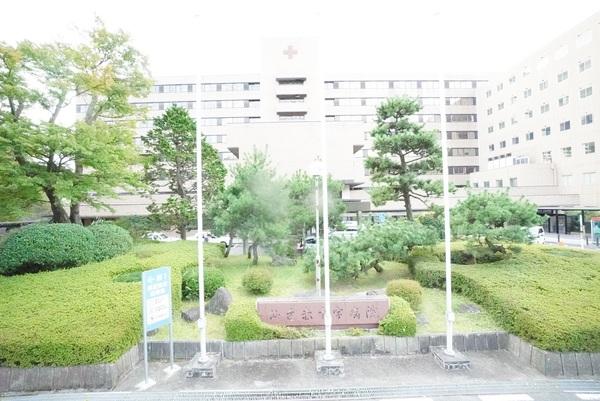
pixel 537 234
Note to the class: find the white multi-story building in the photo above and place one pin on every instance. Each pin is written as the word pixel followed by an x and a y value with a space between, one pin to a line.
pixel 279 109
pixel 539 124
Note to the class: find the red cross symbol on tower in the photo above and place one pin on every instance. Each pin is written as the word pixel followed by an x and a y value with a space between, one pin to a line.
pixel 290 52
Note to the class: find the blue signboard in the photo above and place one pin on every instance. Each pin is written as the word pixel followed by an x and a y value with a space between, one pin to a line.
pixel 157 297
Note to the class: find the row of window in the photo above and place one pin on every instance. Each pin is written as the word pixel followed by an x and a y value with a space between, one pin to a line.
pixel 463 151
pixel 230 104
pixel 387 84
pixel 586 119
pixel 588 148
pixel 499 183
pixel 586 179
pixel 453 170
pixel 231 87
pixel 174 88
pixel 211 122
pixel 424 101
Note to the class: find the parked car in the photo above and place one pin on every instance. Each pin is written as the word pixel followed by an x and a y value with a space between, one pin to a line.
pixel 537 234
pixel 160 237
pixel 212 239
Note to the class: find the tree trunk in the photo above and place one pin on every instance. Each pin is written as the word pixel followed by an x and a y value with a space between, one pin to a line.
pixel 407 205
pixel 255 254
pixel 249 251
pixel 183 232
pixel 244 246
pixel 229 245
pixel 75 206
pixel 59 214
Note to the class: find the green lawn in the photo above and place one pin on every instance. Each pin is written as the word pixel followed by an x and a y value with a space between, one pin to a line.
pixel 547 295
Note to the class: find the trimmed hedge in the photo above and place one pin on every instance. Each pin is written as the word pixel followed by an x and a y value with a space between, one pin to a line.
pixel 81 316
pixel 258 281
pixel 400 320
pixel 548 296
pixel 242 323
pixel 408 290
pixel 43 247
pixel 110 240
pixel 213 279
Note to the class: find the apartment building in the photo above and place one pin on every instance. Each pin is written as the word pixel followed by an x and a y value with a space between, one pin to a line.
pixel 279 109
pixel 539 124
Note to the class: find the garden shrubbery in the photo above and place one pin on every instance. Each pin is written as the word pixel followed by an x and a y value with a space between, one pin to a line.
pixel 409 290
pixel 40 247
pixel 242 323
pixel 110 240
pixel 400 320
pixel 258 281
pixel 213 279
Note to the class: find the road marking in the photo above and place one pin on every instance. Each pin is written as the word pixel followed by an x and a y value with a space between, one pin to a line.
pixel 506 397
pixel 595 396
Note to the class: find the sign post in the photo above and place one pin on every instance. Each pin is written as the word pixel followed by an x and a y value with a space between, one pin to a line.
pixel 157 312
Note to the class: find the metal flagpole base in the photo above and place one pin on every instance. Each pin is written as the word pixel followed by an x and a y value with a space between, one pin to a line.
pixel 169 370
pixel 206 369
pixel 450 362
pixel 145 385
pixel 329 365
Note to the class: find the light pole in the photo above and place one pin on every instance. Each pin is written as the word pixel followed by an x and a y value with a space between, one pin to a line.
pixel 316 173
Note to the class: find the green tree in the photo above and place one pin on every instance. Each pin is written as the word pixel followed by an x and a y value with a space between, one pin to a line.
pixel 301 211
pixel 405 154
pixel 69 164
pixel 492 219
pixel 172 163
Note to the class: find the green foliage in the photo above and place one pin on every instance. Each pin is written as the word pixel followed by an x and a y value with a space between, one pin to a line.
pixel 242 323
pixel 400 320
pixel 213 279
pixel 139 226
pixel 81 316
pixel 258 281
pixel 42 160
pixel 409 290
pixel 405 155
pixel 493 219
pixel 172 158
pixel 40 247
pixel 355 332
pixel 110 240
pixel 544 295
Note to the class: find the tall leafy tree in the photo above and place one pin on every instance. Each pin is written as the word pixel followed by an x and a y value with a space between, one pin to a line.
pixel 172 163
pixel 301 211
pixel 67 164
pixel 405 155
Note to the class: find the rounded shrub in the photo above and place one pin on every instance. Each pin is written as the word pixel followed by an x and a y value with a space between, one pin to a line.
pixel 242 323
pixel 400 320
pixel 213 279
pixel 110 240
pixel 409 290
pixel 258 281
pixel 42 247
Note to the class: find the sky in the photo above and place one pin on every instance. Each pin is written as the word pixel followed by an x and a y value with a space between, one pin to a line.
pixel 376 36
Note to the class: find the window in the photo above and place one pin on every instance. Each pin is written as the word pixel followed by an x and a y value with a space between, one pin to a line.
pixel 491 147
pixel 502 144
pixel 513 99
pixel 544 108
pixel 563 101
pixel 567 152
pixel 486 184
pixel 461 134
pixel 488 93
pixel 499 87
pixel 462 169
pixel 567 180
pixel 583 38
pixel 501 106
pixel 490 111
pixel 547 156
pixel 589 147
pixel 543 85
pixel 347 85
pixel 513 121
pixel 499 183
pixel 529 113
pixel 587 119
pixel 527 93
pixel 460 101
pixel 520 160
pixel 425 101
pixel 585 65
pixel 461 118
pixel 377 85
pixel 427 84
pixel 589 178
pixel 460 84
pixel 475 185
pixel 529 136
pixel 490 129
pixel 546 131
pixel 501 125
pixel 585 92
pixel 515 140
pixel 513 182
pixel 209 87
pixel 512 79
pixel 565 125
pixel 562 76
pixel 463 152
pixel 412 84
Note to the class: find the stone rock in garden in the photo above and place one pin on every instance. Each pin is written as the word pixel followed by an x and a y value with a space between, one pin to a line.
pixel 219 303
pixel 379 291
pixel 191 315
pixel 422 319
pixel 277 260
pixel 468 308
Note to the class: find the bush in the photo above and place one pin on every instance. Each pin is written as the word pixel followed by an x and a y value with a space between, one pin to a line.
pixel 213 279
pixel 409 290
pixel 258 281
pixel 138 226
pixel 110 241
pixel 40 247
pixel 400 320
pixel 242 323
